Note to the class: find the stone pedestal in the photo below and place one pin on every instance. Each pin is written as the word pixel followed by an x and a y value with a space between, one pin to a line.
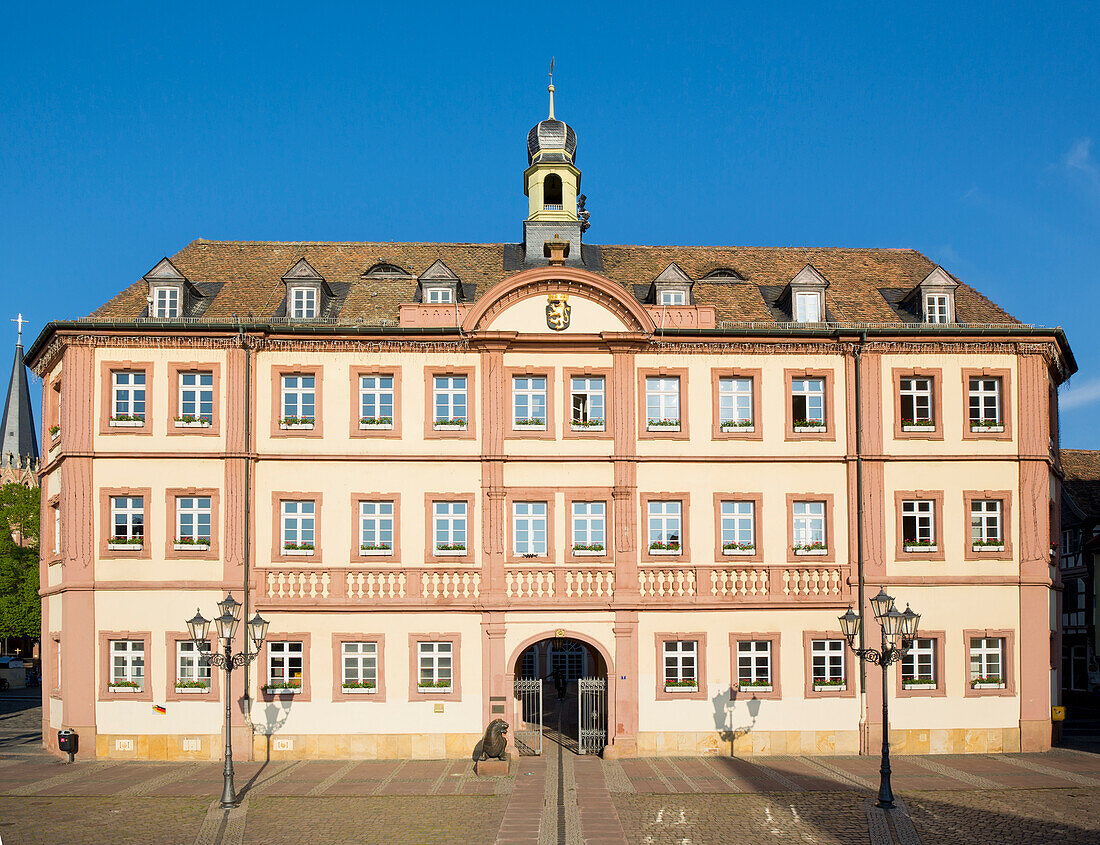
pixel 491 768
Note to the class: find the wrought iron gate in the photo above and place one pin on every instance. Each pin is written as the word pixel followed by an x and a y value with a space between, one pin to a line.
pixel 527 734
pixel 591 715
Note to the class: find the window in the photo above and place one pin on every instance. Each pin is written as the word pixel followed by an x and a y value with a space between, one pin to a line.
pixel 664 527
pixel 827 663
pixel 450 401
pixel 303 303
pixel 193 520
pixel 918 666
pixel 284 665
pixel 439 295
pixel 551 192
pixel 734 403
pixel 754 663
pixel 680 664
pixel 529 402
pixel 986 662
pixel 528 667
pixel 299 400
pixel 196 397
pixel 662 402
pixel 935 308
pixel 1073 603
pixel 808 403
pixel 588 402
pixel 376 400
pixel 56 528
pixel 127 519
pixel 672 297
pixel 360 662
pixel 985 523
pixel 1071 548
pixel 434 666
pixel 738 527
pixel 916 403
pixel 129 396
pixel 128 664
pixel 192 664
pixel 376 527
pixel 807 308
pixel 589 527
pixel 985 402
pixel 918 524
pixel 449 527
pixel 166 302
pixel 808 526
pixel 299 522
pixel 570 658
pixel 529 528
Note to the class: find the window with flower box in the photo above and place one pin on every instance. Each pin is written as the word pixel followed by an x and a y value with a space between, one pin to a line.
pixel 450 403
pixel 299 522
pixel 827 665
pixel 127 523
pixel 662 402
pixel 681 661
pixel 985 404
pixel 127 666
pixel 915 399
pixel 808 404
pixel 192 667
pixel 376 402
pixel 754 665
pixel 376 528
pixel 196 400
pixel 449 528
pixel 665 527
pixel 360 667
pixel 434 667
pixel 986 532
pixel 589 528
pixel 918 667
pixel 529 403
pixel 987 663
pixel 299 402
pixel 738 523
pixel 529 529
pixel 918 526
pixel 284 667
pixel 808 528
pixel 587 403
pixel 193 523
pixel 128 399
pixel 735 405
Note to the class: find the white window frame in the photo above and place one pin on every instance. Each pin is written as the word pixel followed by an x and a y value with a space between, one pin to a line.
pixel 196 395
pixel 529 401
pixel 529 529
pixel 128 393
pixel 808 523
pixel 587 402
pixel 166 302
pixel 920 663
pixel 916 392
pixel 589 526
pixel 193 513
pixel 439 295
pixel 921 515
pixel 735 402
pixel 193 662
pixel 987 522
pixel 303 303
pixel 359 663
pixel 936 308
pixel 57 528
pixel 665 521
pixel 662 402
pixel 434 665
pixel 811 390
pixel 376 398
pixel 985 654
pixel 984 395
pixel 737 523
pixel 754 662
pixel 298 523
pixel 681 663
pixel 672 297
pixel 299 396
pixel 376 526
pixel 284 657
pixel 450 391
pixel 450 523
pixel 827 663
pixel 807 307
pixel 129 657
pixel 132 511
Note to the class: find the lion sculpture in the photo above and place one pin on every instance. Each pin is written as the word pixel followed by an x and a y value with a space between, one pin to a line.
pixel 494 742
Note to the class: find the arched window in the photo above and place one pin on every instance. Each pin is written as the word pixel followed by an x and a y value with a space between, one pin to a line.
pixel 551 192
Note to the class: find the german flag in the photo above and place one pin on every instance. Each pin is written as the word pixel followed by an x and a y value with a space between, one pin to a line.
pixel 158 709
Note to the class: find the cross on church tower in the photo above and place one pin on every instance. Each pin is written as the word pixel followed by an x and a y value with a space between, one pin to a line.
pixel 19 321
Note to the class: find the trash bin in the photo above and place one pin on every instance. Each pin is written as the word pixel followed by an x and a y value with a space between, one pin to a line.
pixel 67 741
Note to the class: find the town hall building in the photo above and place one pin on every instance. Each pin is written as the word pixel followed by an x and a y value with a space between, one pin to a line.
pixel 650 477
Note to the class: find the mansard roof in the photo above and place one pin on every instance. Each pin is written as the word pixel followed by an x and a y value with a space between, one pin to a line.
pixel 240 278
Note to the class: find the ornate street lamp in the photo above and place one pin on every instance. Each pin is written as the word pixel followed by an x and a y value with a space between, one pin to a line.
pixel 226 625
pixel 898 632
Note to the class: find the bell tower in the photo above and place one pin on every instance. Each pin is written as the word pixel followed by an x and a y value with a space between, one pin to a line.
pixel 551 183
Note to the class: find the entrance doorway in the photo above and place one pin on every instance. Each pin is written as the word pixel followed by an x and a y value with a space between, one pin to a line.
pixel 570 708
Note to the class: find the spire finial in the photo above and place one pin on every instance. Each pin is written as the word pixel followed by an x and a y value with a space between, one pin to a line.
pixel 550 88
pixel 20 321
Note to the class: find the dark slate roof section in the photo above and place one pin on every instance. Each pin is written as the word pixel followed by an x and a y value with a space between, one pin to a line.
pixel 1081 468
pixel 18 438
pixel 865 285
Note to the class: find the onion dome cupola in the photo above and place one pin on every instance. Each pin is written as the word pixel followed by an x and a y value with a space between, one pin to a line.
pixel 552 183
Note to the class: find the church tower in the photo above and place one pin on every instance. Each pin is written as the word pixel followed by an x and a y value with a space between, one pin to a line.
pixel 18 439
pixel 551 183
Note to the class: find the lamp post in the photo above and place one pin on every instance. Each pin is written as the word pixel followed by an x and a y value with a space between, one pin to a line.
pixel 898 632
pixel 226 623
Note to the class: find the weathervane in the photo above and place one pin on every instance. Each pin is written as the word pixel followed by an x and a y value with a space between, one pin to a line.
pixel 19 323
pixel 550 88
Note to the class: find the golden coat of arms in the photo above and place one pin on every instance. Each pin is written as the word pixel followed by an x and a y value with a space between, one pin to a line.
pixel 557 311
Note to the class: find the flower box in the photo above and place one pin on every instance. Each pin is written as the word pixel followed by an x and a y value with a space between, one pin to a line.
pixel 987 684
pixel 444 550
pixel 806 551
pixel 190 547
pixel 917 425
pixel 665 549
pixel 298 426
pixel 748 549
pixel 282 689
pixel 590 425
pixel 984 428
pixel 359 690
pixel 692 686
pixel 126 423
pixel 589 552
pixel 193 690
pixel 124 546
pixel 375 426
pixel 55 432
pixel 534 424
pixel 826 687
pixel 914 683
pixel 298 552
pixel 434 688
pixel 804 427
pixel 125 687
pixel 662 425
pixel 192 422
pixel 748 427
pixel 374 551
pixel 920 547
pixel 745 686
pixel 987 547
pixel 449 425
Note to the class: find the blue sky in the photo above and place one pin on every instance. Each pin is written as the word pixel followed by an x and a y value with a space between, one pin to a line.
pixel 968 131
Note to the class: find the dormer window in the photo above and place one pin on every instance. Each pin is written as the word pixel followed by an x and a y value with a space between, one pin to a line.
pixel 168 291
pixel 672 287
pixel 807 307
pixel 306 292
pixel 165 302
pixel 672 296
pixel 935 308
pixel 935 297
pixel 303 302
pixel 439 295
pixel 805 296
pixel 439 285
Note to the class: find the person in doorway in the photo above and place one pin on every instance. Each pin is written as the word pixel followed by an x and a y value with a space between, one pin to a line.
pixel 561 683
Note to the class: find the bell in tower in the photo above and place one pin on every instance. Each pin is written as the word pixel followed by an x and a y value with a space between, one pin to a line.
pixel 551 183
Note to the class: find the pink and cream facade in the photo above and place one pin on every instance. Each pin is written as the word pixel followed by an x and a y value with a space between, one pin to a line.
pixel 430 465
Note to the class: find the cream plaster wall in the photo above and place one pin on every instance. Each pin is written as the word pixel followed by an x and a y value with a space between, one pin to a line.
pixel 529 317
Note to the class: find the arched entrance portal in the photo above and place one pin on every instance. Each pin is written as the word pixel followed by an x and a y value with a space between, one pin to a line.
pixel 561 696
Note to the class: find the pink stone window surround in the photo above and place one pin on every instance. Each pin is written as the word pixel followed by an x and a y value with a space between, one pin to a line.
pixel 741 557
pixel 416 693
pixel 139 552
pixel 600 495
pixel 826 432
pixel 613 401
pixel 430 555
pixel 847 658
pixel 105 671
pixel 663 432
pixel 526 495
pixel 278 371
pixel 655 556
pixel 171 655
pixel 912 431
pixel 674 693
pixel 338 691
pixel 358 555
pixel 176 369
pixel 265 664
pixel 987 552
pixel 1005 404
pixel 756 430
pixel 936 690
pixel 917 552
pixel 278 552
pixel 748 692
pixel 1007 660
pixel 472 402
pixel 512 431
pixel 171 503
pixel 356 375
pixel 107 398
pixel 830 538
